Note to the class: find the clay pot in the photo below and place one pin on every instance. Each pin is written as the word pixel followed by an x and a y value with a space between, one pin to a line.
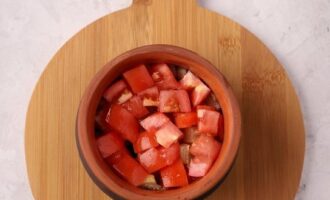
pixel 100 172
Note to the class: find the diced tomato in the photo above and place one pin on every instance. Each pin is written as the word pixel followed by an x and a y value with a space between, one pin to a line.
pixel 135 106
pixel 205 146
pixel 170 154
pixel 190 135
pixel 138 78
pixel 199 166
pixel 124 122
pixel 154 121
pixel 124 96
pixel 114 90
pixel 101 117
pixel 174 175
pixel 189 81
pixel 145 141
pixel 168 134
pixel 221 127
pixel 128 167
pixel 205 107
pixel 199 94
pixel 174 101
pixel 150 96
pixel 152 160
pixel 208 121
pixel 109 144
pixel 163 77
pixel 185 120
pixel 185 154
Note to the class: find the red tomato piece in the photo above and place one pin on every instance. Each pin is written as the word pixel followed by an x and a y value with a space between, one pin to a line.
pixel 145 141
pixel 205 146
pixel 135 106
pixel 114 90
pixel 174 175
pixel 128 167
pixel 123 122
pixel 199 94
pixel 109 144
pixel 208 121
pixel 150 96
pixel 170 154
pixel 199 166
pixel 221 127
pixel 205 107
pixel 152 160
pixel 124 96
pixel 174 101
pixel 154 121
pixel 101 118
pixel 168 134
pixel 189 81
pixel 185 120
pixel 163 77
pixel 138 78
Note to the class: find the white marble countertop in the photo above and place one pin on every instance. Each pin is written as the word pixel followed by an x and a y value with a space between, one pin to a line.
pixel 297 31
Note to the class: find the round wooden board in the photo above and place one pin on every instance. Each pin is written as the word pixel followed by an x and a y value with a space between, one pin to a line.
pixel 271 154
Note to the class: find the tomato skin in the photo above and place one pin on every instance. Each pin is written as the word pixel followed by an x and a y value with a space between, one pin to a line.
pixel 174 101
pixel 152 160
pixel 205 146
pixel 174 175
pixel 135 106
pixel 208 121
pixel 138 78
pixel 150 96
pixel 221 127
pixel 109 144
pixel 163 77
pixel 154 121
pixel 145 141
pixel 128 167
pixel 114 90
pixel 123 122
pixel 185 120
pixel 170 154
pixel 168 134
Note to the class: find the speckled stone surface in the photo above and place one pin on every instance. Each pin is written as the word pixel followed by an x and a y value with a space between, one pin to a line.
pixel 297 32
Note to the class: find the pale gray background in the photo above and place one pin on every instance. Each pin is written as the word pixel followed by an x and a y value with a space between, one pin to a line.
pixel 297 31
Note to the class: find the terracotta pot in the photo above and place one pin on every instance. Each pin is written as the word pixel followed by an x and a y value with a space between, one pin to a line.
pixel 100 172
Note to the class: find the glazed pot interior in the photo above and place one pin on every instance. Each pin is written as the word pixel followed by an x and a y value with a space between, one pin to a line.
pixel 107 179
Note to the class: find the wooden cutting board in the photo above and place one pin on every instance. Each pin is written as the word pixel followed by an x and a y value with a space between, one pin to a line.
pixel 271 154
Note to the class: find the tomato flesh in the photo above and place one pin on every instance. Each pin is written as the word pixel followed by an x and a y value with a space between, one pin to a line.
pixel 208 121
pixel 109 144
pixel 150 96
pixel 138 78
pixel 221 127
pixel 189 81
pixel 163 77
pixel 199 94
pixel 174 175
pixel 185 120
pixel 205 146
pixel 101 118
pixel 174 101
pixel 128 167
pixel 199 166
pixel 168 134
pixel 145 141
pixel 124 123
pixel 135 106
pixel 171 153
pixel 114 90
pixel 154 121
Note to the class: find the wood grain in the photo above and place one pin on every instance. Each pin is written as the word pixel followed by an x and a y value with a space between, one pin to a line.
pixel 271 154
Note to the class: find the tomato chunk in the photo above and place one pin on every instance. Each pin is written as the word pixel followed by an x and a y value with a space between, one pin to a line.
pixel 154 121
pixel 174 175
pixel 138 78
pixel 150 96
pixel 168 134
pixel 199 94
pixel 171 153
pixel 205 146
pixel 109 144
pixel 128 167
pixel 123 122
pixel 152 160
pixel 124 96
pixel 208 121
pixel 101 118
pixel 190 134
pixel 221 127
pixel 189 81
pixel 135 106
pixel 114 90
pixel 174 101
pixel 185 120
pixel 205 107
pixel 145 141
pixel 163 77
pixel 199 166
